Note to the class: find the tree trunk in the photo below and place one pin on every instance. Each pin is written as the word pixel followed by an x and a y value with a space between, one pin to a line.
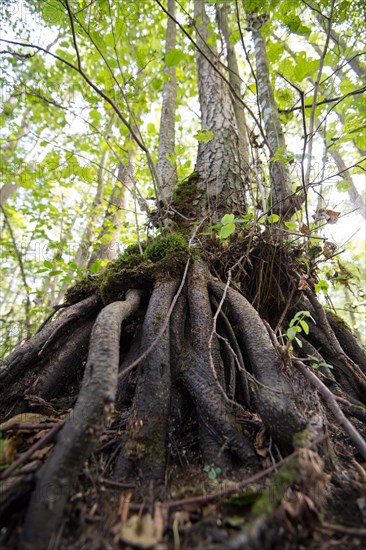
pixel 219 166
pixel 166 166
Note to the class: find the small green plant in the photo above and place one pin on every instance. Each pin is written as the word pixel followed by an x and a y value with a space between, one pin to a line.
pixel 317 363
pixel 211 471
pixel 297 325
pixel 228 224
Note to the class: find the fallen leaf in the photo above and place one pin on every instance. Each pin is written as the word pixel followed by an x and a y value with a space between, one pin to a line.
pixel 140 532
pixel 304 229
pixel 24 419
pixel 328 249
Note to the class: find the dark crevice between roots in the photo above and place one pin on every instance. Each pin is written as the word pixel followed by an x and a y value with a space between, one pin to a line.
pixel 55 354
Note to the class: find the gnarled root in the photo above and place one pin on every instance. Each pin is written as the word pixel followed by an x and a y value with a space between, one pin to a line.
pixel 82 428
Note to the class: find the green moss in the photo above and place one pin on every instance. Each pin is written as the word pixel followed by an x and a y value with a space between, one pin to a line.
pixel 272 496
pixel 81 290
pixel 184 193
pixel 303 438
pixel 164 257
pixel 166 246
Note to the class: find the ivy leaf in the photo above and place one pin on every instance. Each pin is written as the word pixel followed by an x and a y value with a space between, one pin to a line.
pixel 204 135
pixel 173 57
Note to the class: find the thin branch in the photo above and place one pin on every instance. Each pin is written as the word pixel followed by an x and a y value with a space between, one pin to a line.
pixel 330 399
pixel 309 138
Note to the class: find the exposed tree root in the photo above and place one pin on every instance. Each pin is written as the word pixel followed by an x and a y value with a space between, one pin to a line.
pixel 275 400
pixel 81 430
pixel 202 381
pixel 145 436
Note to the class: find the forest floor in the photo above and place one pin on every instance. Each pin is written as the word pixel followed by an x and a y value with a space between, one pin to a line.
pixel 203 508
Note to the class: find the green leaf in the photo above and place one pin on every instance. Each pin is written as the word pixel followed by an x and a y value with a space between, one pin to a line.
pixel 95 267
pixel 171 158
pixel 228 218
pixel 291 226
pixel 344 186
pixel 234 38
pixel 151 129
pixel 48 264
pixel 204 135
pixel 322 285
pixel 173 57
pixel 304 326
pixel 291 333
pixel 273 218
pixel 227 230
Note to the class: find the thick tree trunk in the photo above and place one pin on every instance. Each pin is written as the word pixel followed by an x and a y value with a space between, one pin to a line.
pixel 219 166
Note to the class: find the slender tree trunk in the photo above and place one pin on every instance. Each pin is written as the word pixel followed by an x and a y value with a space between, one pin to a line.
pixel 283 201
pixel 110 231
pixel 166 167
pixel 218 162
pixel 235 81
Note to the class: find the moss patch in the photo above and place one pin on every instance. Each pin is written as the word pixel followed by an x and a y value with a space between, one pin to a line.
pixel 165 257
pixel 82 289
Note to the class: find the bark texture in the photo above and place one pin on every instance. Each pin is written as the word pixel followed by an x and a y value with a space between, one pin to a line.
pixel 218 165
pixel 235 81
pixel 166 167
pixel 282 200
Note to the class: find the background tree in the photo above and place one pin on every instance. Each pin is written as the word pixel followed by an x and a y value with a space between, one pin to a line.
pixel 203 358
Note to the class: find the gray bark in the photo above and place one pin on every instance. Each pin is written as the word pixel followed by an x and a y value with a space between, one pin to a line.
pixel 281 189
pixel 167 169
pixel 235 82
pixel 218 160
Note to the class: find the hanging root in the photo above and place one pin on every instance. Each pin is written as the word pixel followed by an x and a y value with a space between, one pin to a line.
pixel 82 429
